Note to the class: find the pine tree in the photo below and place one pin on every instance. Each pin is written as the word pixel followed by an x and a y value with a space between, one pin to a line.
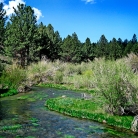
pixel 135 48
pixel 42 42
pixel 71 49
pixel 21 34
pixel 87 50
pixel 102 46
pixel 76 45
pixel 66 52
pixel 134 39
pixel 115 50
pixel 53 50
pixel 128 48
pixel 2 27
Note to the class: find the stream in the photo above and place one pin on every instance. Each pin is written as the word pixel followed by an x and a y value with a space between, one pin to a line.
pixel 25 116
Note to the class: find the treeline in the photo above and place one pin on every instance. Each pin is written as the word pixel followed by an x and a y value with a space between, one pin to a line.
pixel 23 39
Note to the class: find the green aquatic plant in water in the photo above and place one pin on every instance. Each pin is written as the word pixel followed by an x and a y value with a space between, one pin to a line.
pixel 81 129
pixel 87 109
pixel 34 129
pixel 31 97
pixel 24 137
pixel 24 97
pixel 35 124
pixel 68 136
pixel 27 97
pixel 30 137
pixel 13 127
pixel 34 121
pixel 59 133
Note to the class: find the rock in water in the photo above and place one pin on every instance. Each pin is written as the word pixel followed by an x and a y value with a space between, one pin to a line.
pixel 134 124
pixel 86 96
pixel 63 96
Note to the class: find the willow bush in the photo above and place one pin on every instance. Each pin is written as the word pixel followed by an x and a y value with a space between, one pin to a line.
pixel 114 80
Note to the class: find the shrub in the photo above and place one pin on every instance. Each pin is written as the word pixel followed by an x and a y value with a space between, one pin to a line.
pixel 132 61
pixel 69 69
pixel 1 68
pixel 58 77
pixel 12 76
pixel 88 73
pixel 9 93
pixel 114 81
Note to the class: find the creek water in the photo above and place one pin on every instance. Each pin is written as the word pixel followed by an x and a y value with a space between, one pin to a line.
pixel 25 116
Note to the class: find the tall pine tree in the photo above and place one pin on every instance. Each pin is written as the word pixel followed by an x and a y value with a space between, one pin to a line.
pixel 2 27
pixel 102 47
pixel 21 34
pixel 53 50
pixel 115 50
pixel 71 49
pixel 87 50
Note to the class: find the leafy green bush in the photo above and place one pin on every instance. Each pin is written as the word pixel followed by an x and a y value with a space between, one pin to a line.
pixel 9 93
pixel 12 76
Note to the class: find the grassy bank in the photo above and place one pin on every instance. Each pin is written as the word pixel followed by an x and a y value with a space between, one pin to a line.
pixel 89 109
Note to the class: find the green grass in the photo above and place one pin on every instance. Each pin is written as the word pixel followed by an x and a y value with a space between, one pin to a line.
pixel 87 109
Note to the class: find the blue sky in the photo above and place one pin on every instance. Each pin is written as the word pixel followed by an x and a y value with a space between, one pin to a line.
pixel 88 18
